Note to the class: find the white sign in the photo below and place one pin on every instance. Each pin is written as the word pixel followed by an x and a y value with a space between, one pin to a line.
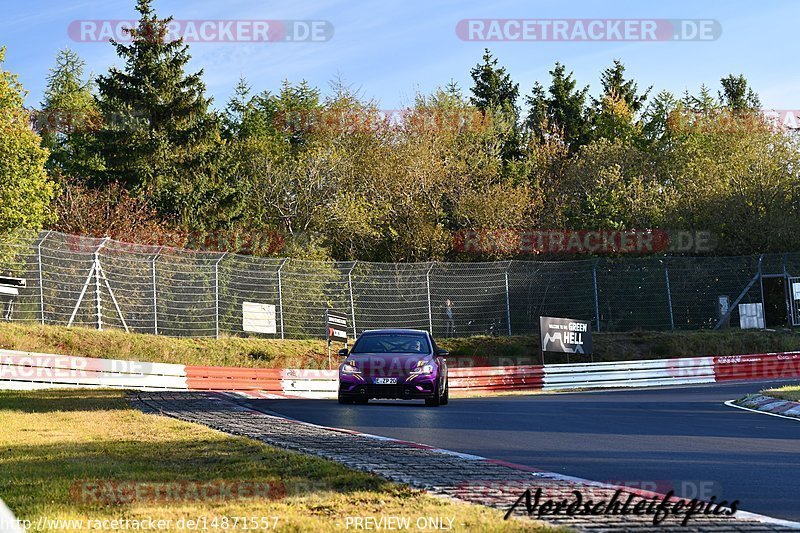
pixel 796 290
pixel 751 316
pixel 258 318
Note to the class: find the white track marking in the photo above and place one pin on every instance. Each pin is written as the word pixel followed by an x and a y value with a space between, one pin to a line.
pixel 730 403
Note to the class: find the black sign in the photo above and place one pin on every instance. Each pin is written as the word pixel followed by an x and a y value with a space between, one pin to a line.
pixel 565 335
pixel 336 325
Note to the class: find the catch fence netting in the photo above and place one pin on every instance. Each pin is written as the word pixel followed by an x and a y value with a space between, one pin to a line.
pixel 103 283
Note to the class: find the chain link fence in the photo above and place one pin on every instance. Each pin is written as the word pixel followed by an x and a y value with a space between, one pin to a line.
pixel 102 283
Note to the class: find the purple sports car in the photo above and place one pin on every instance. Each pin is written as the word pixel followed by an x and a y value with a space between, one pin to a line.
pixel 394 363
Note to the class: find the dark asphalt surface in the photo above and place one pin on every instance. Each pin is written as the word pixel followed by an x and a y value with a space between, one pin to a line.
pixel 681 438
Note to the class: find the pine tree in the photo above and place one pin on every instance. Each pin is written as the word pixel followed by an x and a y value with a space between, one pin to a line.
pixel 496 94
pixel 562 109
pixel 737 96
pixel 236 109
pixel 158 135
pixel 492 86
pixel 703 103
pixel 615 85
pixel 68 119
pixel 656 116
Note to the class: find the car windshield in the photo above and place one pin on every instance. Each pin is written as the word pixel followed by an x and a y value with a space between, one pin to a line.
pixel 392 343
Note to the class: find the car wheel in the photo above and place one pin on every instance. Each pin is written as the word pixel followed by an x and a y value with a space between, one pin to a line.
pixel 361 401
pixel 446 396
pixel 345 400
pixel 435 400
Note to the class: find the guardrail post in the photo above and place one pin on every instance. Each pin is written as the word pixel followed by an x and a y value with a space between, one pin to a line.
pixel 428 285
pixel 216 295
pixel 352 305
pixel 508 301
pixel 155 292
pixel 280 293
pixel 596 299
pixel 41 279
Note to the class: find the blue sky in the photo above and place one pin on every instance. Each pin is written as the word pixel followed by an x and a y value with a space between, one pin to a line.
pixel 390 49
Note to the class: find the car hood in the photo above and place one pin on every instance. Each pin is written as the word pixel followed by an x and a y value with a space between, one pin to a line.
pixel 388 364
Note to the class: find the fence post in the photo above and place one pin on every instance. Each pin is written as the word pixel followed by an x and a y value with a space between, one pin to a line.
pixel 280 293
pixel 216 295
pixel 352 305
pixel 596 299
pixel 97 283
pixel 428 285
pixel 41 280
pixel 761 282
pixel 155 301
pixel 669 295
pixel 508 301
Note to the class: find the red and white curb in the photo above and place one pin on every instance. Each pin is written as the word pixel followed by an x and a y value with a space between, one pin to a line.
pixel 767 405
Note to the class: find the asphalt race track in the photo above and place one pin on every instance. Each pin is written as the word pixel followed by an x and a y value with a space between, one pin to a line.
pixel 681 438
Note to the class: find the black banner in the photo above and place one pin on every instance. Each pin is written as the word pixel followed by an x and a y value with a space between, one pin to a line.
pixel 336 325
pixel 565 335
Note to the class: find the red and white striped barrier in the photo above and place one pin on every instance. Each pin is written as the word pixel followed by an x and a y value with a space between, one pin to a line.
pixel 23 370
pixel 26 370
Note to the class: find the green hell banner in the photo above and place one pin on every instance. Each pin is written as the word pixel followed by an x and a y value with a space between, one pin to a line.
pixel 565 335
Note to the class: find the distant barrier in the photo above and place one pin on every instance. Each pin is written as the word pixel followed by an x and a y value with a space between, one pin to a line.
pixel 23 370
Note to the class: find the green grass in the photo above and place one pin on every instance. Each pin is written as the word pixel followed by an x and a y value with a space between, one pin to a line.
pixel 473 351
pixel 116 344
pixel 789 392
pixel 53 439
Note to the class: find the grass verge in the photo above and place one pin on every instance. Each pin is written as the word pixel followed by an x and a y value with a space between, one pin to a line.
pixel 470 351
pixel 788 392
pixel 52 440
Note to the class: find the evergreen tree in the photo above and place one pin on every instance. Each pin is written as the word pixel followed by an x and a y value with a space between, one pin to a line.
pixel 496 94
pixel 703 103
pixel 737 96
pixel 68 119
pixel 236 110
pixel 615 85
pixel 492 86
pixel 657 115
pixel 158 135
pixel 564 108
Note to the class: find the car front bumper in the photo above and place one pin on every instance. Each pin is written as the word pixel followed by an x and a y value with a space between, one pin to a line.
pixel 419 387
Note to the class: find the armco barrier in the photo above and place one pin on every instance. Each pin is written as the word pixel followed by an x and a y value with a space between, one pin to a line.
pixel 22 370
pixel 649 373
pixel 36 370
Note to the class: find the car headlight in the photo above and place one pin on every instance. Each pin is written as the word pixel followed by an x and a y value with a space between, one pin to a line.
pixel 423 370
pixel 350 369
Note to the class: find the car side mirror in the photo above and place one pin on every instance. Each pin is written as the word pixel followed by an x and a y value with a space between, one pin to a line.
pixel 442 352
pixel 343 352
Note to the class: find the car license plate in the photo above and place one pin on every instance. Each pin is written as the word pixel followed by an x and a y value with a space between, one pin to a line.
pixel 385 381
